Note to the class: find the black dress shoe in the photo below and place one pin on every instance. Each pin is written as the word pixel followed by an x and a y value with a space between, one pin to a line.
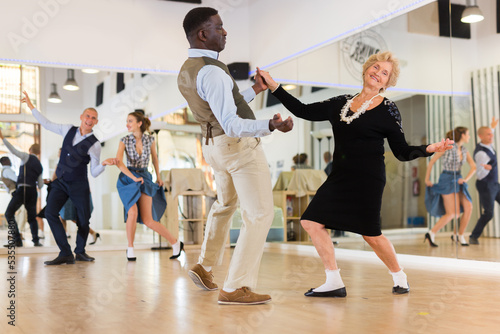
pixel 473 241
pixel 340 293
pixel 457 239
pixel 37 244
pixel 84 257
pixel 61 260
pixel 16 244
pixel 399 290
pixel 178 254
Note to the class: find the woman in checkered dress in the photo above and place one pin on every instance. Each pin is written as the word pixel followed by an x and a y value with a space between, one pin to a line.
pixel 143 200
pixel 443 198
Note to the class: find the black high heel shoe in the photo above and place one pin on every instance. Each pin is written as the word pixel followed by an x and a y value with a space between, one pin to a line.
pixel 178 254
pixel 97 236
pixel 428 237
pixel 457 240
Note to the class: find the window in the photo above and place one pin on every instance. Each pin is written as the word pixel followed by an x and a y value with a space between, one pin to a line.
pixel 14 79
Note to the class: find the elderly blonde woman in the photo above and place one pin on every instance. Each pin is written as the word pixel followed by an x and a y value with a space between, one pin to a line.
pixel 351 197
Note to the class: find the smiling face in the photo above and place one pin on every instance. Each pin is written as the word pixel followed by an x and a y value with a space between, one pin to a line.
pixel 213 34
pixel 377 76
pixel 486 135
pixel 132 124
pixel 89 119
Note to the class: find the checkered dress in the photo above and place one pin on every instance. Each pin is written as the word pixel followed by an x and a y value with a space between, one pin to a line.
pixel 451 159
pixel 133 158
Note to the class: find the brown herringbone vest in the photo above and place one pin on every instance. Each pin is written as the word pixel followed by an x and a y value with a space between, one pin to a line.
pixel 186 81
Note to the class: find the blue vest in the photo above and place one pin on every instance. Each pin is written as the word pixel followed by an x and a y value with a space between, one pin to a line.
pixel 73 161
pixel 30 171
pixel 493 174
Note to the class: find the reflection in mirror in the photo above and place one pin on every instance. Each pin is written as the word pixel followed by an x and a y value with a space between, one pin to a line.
pixel 428 104
pixel 432 102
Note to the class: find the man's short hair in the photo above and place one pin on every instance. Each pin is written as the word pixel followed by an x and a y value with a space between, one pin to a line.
pixel 482 130
pixel 5 161
pixel 35 149
pixel 196 17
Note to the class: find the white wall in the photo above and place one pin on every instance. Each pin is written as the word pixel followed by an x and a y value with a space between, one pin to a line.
pixel 148 34
pixel 488 40
pixel 425 62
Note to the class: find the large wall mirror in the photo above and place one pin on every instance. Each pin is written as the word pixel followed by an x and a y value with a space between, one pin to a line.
pixel 445 83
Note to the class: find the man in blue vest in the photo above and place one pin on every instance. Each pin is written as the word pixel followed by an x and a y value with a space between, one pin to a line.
pixel 30 176
pixel 80 147
pixel 487 179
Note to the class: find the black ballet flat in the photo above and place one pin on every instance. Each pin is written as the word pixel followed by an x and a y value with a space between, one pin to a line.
pixel 338 293
pixel 178 254
pixel 399 290
pixel 130 258
pixel 428 237
pixel 97 236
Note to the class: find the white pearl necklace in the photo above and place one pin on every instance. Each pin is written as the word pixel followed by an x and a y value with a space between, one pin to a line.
pixel 361 110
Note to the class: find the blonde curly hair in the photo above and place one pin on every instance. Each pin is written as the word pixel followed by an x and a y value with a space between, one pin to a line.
pixel 384 56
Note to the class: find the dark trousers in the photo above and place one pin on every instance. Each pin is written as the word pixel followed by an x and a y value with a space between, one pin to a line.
pixel 79 193
pixel 489 192
pixel 26 196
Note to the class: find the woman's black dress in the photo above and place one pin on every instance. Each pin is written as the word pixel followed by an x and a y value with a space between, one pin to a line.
pixel 351 197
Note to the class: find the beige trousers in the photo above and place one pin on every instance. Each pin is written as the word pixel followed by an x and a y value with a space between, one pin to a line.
pixel 241 171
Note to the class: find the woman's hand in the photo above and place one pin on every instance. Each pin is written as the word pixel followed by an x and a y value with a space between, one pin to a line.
pixel 259 85
pixel 428 183
pixel 159 181
pixel 268 80
pixel 443 145
pixel 461 181
pixel 138 179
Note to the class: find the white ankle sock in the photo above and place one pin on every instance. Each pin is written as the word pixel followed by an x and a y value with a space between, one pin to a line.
pixel 176 248
pixel 432 235
pixel 333 281
pixel 461 239
pixel 399 278
pixel 130 252
pixel 208 269
pixel 229 290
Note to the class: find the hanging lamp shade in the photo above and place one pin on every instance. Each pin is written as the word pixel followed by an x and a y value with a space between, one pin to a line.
pixel 70 83
pixel 90 70
pixel 54 97
pixel 472 13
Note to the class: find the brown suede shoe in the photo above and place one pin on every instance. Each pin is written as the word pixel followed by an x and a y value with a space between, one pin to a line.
pixel 202 278
pixel 242 296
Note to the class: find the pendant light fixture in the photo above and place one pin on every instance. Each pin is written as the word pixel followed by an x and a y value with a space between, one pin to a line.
pixel 54 97
pixel 472 13
pixel 71 82
pixel 90 70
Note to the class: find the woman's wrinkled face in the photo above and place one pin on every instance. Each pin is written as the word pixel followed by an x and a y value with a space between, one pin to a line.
pixel 377 76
